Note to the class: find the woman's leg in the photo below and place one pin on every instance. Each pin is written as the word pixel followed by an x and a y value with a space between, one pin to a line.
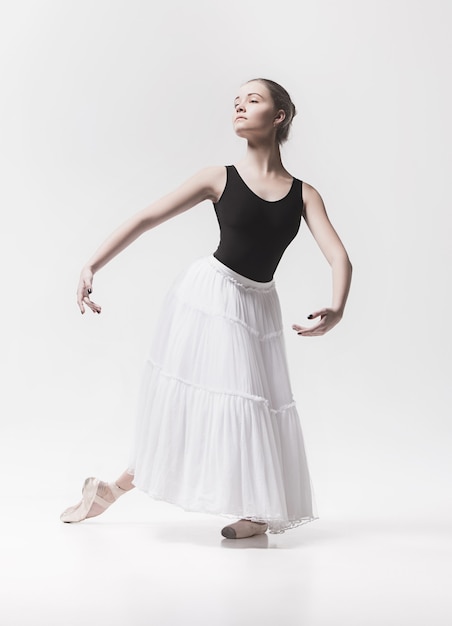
pixel 97 496
pixel 105 491
pixel 125 481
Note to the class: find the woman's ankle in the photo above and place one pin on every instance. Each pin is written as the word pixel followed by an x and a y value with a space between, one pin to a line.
pixel 124 482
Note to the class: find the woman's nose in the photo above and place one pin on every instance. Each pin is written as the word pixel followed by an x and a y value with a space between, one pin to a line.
pixel 240 107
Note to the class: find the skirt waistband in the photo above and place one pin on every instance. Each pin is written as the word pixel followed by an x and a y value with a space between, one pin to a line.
pixel 244 280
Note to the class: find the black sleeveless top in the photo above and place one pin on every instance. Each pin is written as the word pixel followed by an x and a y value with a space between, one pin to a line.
pixel 254 233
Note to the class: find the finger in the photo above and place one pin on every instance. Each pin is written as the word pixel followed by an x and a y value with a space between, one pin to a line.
pixel 299 329
pixel 312 316
pixel 309 333
pixel 304 329
pixel 80 301
pixel 95 308
pixel 318 329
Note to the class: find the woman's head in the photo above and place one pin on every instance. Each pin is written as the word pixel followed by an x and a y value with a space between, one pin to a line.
pixel 275 97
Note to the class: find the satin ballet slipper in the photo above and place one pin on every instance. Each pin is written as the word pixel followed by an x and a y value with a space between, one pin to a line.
pixel 80 511
pixel 244 528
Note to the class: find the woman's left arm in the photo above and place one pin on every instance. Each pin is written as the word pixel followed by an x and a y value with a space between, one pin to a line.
pixel 335 253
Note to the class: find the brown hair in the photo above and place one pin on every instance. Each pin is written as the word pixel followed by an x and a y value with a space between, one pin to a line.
pixel 281 100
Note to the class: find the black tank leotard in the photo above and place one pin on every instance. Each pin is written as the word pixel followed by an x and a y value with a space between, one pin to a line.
pixel 254 233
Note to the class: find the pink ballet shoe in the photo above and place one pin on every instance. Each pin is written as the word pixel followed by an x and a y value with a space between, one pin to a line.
pixel 80 511
pixel 244 528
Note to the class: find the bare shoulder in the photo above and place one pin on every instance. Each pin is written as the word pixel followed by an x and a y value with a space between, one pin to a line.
pixel 213 180
pixel 312 200
pixel 310 194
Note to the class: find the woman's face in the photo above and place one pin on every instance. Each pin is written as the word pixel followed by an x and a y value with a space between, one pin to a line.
pixel 254 111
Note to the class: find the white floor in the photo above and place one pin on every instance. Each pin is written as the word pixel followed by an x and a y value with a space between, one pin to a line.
pixel 145 562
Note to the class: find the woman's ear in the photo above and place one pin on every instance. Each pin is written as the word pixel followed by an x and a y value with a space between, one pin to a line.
pixel 280 117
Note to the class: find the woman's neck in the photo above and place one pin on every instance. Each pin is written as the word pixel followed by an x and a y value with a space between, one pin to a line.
pixel 262 159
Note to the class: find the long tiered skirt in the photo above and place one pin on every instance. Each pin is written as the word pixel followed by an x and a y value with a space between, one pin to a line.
pixel 217 428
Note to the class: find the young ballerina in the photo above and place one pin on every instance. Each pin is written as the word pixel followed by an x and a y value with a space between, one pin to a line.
pixel 217 430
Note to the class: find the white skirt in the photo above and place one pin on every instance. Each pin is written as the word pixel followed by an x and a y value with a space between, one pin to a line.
pixel 217 428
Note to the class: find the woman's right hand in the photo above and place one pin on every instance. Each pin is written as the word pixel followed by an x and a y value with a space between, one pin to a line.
pixel 85 288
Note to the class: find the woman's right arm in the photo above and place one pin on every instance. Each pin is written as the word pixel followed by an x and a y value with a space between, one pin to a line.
pixel 207 184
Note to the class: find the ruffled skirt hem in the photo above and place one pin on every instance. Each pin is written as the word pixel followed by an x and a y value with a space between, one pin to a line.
pixel 275 526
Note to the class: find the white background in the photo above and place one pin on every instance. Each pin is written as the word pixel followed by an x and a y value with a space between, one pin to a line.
pixel 107 105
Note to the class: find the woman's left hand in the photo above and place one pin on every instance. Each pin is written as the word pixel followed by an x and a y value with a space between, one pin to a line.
pixel 328 319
